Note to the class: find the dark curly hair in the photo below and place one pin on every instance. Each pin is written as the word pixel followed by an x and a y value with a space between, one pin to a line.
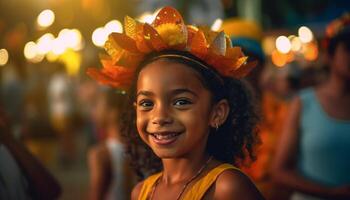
pixel 233 142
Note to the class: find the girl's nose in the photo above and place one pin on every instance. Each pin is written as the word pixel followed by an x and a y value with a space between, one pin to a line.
pixel 161 116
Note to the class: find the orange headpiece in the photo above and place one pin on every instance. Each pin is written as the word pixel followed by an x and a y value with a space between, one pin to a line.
pixel 167 32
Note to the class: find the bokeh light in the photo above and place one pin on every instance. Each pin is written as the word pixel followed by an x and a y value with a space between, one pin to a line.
pixel 216 25
pixel 279 59
pixel 146 17
pixel 305 34
pixel 295 42
pixel 283 44
pixel 30 50
pixel 46 18
pixel 114 26
pixel 99 36
pixel 4 57
pixel 44 43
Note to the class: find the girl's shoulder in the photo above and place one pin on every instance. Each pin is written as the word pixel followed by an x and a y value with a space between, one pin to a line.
pixel 143 188
pixel 234 184
pixel 136 190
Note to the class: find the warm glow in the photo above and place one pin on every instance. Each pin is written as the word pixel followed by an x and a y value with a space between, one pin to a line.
pixel 216 25
pixel 72 61
pixel 30 50
pixel 279 59
pixel 283 44
pixel 46 18
pixel 58 46
pixel 99 36
pixel 268 45
pixel 4 57
pixel 146 17
pixel 305 34
pixel 311 52
pixel 296 43
pixel 44 43
pixel 114 26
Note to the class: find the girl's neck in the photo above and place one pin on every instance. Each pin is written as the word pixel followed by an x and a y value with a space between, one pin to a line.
pixel 182 169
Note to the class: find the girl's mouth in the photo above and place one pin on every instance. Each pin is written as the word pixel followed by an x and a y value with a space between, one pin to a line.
pixel 164 138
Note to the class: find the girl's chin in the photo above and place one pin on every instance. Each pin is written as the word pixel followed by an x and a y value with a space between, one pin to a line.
pixel 166 154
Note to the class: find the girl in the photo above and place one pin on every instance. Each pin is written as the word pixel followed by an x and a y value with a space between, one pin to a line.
pixel 111 177
pixel 188 117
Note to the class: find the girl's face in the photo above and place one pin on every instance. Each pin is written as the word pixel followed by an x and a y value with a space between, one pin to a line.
pixel 173 109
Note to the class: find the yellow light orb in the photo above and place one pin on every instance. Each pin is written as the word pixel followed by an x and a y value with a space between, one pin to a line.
pixel 30 50
pixel 46 18
pixel 296 43
pixel 4 57
pixel 146 17
pixel 305 34
pixel 58 46
pixel 114 26
pixel 99 36
pixel 216 25
pixel 44 43
pixel 283 44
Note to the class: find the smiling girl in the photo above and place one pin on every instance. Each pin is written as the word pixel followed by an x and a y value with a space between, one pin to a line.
pixel 190 117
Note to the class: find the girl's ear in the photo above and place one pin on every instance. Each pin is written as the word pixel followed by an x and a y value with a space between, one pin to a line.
pixel 219 113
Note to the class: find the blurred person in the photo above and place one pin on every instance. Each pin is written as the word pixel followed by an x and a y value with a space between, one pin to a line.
pixel 312 155
pixel 22 176
pixel 110 175
pixel 87 97
pixel 61 110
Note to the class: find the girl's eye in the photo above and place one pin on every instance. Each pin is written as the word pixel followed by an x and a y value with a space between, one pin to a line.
pixel 145 104
pixel 182 102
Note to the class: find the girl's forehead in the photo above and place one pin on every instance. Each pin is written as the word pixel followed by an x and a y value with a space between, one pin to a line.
pixel 162 73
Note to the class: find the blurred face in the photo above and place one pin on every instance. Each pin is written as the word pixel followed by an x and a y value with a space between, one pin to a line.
pixel 173 109
pixel 341 61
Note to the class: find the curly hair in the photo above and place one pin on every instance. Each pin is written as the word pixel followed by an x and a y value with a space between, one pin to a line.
pixel 233 142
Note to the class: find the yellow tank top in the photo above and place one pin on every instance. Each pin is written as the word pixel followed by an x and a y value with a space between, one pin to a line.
pixel 196 192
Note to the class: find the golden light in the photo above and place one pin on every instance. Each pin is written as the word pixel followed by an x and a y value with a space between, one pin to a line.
pixel 311 52
pixel 38 58
pixel 30 50
pixel 58 46
pixel 279 59
pixel 268 45
pixel 44 43
pixel 296 43
pixel 114 26
pixel 283 44
pixel 4 57
pixel 305 34
pixel 146 17
pixel 99 36
pixel 46 18
pixel 72 61
pixel 216 25
pixel 51 56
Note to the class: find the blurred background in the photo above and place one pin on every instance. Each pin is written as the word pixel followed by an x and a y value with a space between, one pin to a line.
pixel 47 45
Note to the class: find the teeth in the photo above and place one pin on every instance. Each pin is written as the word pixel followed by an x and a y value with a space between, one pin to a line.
pixel 164 137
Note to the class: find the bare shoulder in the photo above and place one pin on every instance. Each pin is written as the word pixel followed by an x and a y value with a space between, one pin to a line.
pixel 233 184
pixel 136 191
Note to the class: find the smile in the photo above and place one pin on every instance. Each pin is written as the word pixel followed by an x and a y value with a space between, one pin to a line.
pixel 165 138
